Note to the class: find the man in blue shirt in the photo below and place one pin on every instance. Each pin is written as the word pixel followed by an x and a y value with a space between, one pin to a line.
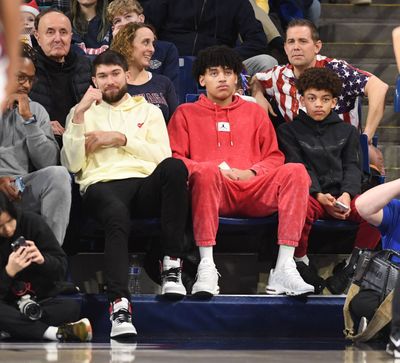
pixel 380 206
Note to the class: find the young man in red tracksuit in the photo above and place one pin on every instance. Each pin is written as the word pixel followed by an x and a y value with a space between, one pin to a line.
pixel 236 169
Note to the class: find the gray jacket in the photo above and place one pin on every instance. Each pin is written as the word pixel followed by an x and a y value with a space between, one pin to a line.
pixel 26 148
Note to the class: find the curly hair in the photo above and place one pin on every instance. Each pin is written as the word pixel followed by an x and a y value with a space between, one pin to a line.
pixel 120 7
pixel 122 42
pixel 26 51
pixel 215 56
pixel 319 79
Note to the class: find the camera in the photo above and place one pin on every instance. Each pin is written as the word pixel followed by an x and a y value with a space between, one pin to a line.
pixel 29 307
pixel 19 242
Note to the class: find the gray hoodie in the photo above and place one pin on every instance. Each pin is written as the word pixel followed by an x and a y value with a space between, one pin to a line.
pixel 26 148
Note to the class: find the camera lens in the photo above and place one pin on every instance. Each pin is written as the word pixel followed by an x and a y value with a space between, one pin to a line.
pixel 32 310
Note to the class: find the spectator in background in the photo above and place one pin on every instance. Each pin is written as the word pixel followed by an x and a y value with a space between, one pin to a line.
pixel 63 5
pixel 135 41
pixel 91 29
pixel 296 9
pixel 62 76
pixel 193 25
pixel 274 35
pixel 165 59
pixel 9 47
pixel 235 168
pixel 381 209
pixel 302 46
pixel 330 151
pixel 118 147
pixel 29 151
pixel 29 12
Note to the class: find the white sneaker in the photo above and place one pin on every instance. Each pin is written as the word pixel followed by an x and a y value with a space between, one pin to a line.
pixel 393 348
pixel 171 279
pixel 78 331
pixel 121 319
pixel 287 281
pixel 206 280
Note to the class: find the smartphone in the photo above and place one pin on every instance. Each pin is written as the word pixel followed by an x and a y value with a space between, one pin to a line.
pixel 19 242
pixel 341 206
pixel 19 184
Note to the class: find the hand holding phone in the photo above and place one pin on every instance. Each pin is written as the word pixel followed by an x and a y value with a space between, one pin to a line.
pixel 19 242
pixel 343 207
pixel 19 184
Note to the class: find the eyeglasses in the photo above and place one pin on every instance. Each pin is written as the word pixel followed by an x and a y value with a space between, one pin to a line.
pixel 22 78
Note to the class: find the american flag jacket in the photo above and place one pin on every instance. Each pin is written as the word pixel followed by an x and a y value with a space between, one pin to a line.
pixel 279 83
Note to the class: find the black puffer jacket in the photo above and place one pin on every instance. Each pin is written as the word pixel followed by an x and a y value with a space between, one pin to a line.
pixel 60 86
pixel 329 149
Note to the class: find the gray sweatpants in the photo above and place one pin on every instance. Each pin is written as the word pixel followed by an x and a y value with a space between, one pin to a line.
pixel 48 193
pixel 259 63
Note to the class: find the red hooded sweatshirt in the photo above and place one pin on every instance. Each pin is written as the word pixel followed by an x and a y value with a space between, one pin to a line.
pixel 241 134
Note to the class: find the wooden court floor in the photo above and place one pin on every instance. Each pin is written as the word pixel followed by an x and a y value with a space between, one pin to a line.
pixel 203 351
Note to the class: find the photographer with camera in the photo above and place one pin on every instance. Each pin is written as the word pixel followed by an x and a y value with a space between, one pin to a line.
pixel 31 263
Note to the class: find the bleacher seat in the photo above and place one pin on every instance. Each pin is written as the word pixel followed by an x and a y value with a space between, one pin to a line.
pixel 151 226
pixel 186 82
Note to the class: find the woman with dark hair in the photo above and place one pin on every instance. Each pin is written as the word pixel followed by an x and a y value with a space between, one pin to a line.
pixel 135 41
pixel 91 29
pixel 31 263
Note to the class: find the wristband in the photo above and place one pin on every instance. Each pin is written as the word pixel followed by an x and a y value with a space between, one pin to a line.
pixel 31 120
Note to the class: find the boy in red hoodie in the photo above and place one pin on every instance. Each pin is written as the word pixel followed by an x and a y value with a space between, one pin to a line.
pixel 236 169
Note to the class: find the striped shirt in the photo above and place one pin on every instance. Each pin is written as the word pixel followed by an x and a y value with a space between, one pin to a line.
pixel 279 83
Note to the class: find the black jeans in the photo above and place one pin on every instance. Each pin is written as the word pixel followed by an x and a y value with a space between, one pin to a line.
pixel 55 313
pixel 162 194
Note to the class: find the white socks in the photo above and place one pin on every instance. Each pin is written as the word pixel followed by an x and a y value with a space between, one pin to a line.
pixel 304 259
pixel 285 253
pixel 206 252
pixel 51 333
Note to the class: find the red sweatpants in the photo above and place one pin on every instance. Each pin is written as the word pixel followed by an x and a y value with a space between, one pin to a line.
pixel 284 189
pixel 368 236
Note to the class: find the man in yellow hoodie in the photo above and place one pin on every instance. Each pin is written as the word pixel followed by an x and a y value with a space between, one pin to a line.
pixel 118 148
